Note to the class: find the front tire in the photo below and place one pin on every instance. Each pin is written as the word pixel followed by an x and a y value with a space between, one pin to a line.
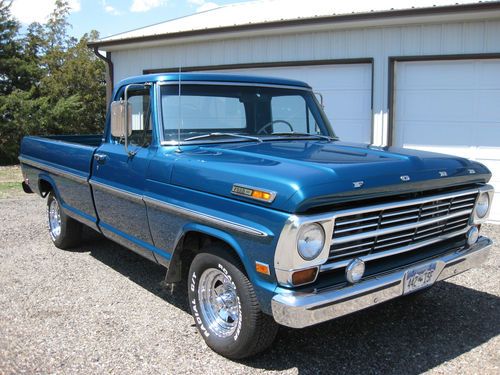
pixel 64 231
pixel 225 308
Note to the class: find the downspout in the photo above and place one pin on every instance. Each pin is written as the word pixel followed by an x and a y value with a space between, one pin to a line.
pixel 109 73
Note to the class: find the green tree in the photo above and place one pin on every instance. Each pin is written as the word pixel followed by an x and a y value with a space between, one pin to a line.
pixel 10 50
pixel 50 83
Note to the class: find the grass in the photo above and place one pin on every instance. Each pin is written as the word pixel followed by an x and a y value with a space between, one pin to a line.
pixel 10 181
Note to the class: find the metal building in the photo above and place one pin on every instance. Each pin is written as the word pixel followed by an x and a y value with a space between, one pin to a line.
pixel 414 73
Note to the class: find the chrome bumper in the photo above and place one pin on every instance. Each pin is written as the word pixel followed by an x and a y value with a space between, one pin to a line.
pixel 298 310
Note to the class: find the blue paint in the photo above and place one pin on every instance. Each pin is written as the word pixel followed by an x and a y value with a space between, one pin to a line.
pixel 305 174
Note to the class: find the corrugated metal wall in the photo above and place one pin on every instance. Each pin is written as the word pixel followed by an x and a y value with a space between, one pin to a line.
pixel 378 43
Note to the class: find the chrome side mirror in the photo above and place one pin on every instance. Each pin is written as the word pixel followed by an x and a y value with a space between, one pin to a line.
pixel 318 94
pixel 118 120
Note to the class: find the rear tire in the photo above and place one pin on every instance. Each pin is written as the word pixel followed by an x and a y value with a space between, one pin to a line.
pixel 64 231
pixel 225 308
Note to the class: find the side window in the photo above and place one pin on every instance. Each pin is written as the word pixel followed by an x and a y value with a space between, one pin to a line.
pixel 140 119
pixel 140 108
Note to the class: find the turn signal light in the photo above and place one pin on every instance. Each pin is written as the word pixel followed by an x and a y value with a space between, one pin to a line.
pixel 254 193
pixel 304 276
pixel 262 195
pixel 262 268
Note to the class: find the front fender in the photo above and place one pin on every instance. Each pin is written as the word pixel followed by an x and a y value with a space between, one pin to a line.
pixel 263 286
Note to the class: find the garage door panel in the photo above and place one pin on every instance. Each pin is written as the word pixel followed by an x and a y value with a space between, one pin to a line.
pixel 488 76
pixel 433 133
pixel 432 105
pixel 349 104
pixel 455 76
pixel 451 107
pixel 487 105
pixel 346 77
pixel 346 91
pixel 485 138
pixel 346 129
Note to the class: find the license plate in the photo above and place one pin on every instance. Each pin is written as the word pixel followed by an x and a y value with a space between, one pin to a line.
pixel 419 278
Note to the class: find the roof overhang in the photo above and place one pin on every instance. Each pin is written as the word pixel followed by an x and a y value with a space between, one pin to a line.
pixel 467 12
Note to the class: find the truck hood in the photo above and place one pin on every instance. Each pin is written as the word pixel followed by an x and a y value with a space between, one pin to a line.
pixel 311 173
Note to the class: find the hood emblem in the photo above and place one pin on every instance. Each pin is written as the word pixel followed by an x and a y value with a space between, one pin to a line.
pixel 443 173
pixel 472 171
pixel 405 178
pixel 358 184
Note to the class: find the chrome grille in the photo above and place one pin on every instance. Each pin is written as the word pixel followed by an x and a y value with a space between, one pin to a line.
pixel 377 231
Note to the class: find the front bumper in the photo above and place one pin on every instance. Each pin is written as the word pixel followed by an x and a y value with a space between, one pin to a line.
pixel 298 310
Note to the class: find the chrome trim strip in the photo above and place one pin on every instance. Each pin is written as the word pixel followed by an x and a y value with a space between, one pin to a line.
pixel 178 209
pixel 231 83
pixel 399 228
pixel 299 310
pixel 116 191
pixel 382 254
pixel 169 207
pixel 54 170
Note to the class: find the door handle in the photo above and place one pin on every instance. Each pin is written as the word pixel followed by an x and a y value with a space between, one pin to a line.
pixel 100 158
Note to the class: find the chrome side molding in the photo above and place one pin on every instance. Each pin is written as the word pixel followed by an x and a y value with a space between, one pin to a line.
pixel 54 170
pixel 172 208
pixel 179 210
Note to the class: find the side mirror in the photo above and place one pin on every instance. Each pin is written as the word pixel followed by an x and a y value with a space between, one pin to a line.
pixel 118 120
pixel 318 94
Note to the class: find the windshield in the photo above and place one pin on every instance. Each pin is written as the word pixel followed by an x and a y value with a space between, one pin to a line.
pixel 204 112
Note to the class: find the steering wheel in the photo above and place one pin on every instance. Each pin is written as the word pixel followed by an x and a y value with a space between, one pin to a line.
pixel 261 130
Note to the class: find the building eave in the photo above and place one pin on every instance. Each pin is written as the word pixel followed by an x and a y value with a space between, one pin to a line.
pixel 372 19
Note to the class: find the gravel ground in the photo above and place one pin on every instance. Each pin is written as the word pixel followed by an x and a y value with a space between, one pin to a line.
pixel 103 309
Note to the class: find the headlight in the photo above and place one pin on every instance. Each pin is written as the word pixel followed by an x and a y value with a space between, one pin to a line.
pixel 482 205
pixel 310 241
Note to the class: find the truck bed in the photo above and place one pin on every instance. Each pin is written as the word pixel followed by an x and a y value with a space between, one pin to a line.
pixel 65 162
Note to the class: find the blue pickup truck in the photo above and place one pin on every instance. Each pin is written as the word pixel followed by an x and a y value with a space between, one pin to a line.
pixel 240 188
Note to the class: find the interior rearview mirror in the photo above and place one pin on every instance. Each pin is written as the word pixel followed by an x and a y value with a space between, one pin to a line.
pixel 118 122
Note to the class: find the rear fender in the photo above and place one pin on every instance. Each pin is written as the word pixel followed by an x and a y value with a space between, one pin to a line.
pixel 45 177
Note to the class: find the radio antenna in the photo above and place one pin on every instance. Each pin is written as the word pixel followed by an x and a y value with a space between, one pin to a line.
pixel 179 123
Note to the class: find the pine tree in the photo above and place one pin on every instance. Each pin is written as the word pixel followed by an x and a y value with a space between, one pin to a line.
pixel 50 83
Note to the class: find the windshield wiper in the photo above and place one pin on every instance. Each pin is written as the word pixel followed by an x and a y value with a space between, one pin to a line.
pixel 210 135
pixel 307 135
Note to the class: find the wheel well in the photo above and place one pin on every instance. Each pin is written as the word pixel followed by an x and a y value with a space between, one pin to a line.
pixel 45 187
pixel 188 247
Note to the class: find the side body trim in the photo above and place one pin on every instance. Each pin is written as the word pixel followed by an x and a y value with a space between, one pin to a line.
pixel 169 207
pixel 54 170
pixel 116 191
pixel 204 217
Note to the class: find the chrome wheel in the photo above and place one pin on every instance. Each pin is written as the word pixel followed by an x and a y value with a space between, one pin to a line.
pixel 219 302
pixel 54 219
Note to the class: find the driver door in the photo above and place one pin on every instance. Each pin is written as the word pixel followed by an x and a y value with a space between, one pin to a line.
pixel 119 178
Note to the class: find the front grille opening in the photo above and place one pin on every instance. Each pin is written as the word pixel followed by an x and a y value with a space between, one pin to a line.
pixel 387 231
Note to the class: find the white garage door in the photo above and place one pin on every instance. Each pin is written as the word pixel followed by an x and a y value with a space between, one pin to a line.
pixel 451 107
pixel 346 90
